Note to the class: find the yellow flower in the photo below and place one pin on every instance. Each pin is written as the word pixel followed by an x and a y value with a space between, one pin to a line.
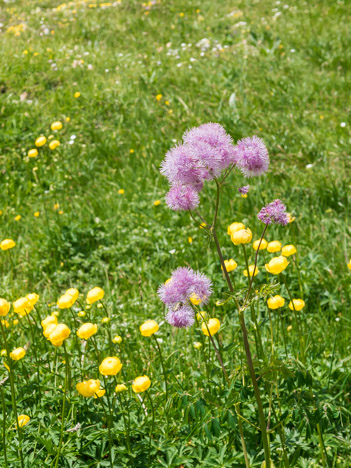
pixel 263 245
pixel 73 292
pixel 86 331
pixel 202 225
pixel 5 323
pixel 33 153
pixel 275 302
pixel 110 366
pixel 82 313
pixel 50 319
pixel 40 141
pixel 121 191
pixel 54 144
pixel 274 246
pixel 288 250
pixel 4 307
pixel 88 388
pixel 56 206
pixel 157 202
pixel 23 420
pixel 60 212
pixel 251 271
pixel 65 302
pixel 213 325
pixel 7 244
pixel 159 97
pixel 201 316
pixel 18 217
pixel 15 321
pixel 120 388
pixel 190 240
pixel 289 328
pixel 148 328
pixel 117 339
pixel 77 94
pixel 49 328
pixel 37 214
pixel 197 344
pixel 235 227
pixel 95 294
pixel 32 298
pixel 242 236
pixel 299 304
pixel 100 393
pixel 141 384
pixel 105 319
pixel 22 306
pixel 195 299
pixel 17 354
pixel 291 218
pixel 3 353
pixel 276 265
pixel 349 265
pixel 56 125
pixel 230 265
pixel 59 334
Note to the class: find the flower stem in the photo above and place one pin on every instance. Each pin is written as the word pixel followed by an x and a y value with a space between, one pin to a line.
pixel 109 420
pixel 152 425
pixel 63 408
pixel 4 425
pixel 243 445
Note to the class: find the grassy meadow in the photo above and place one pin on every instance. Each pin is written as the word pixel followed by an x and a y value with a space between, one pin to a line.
pixel 126 79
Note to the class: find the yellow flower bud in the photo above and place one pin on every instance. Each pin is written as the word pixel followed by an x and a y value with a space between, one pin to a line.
pixel 49 320
pixel 195 299
pixel 5 323
pixel 251 271
pixel 276 265
pixel 197 344
pixel 37 214
pixel 190 240
pixel 288 250
pixel 274 246
pixel 23 420
pixel 77 94
pixel 7 244
pixel 230 265
pixel 158 97
pixel 54 144
pixel 33 153
pixel 100 393
pixel 299 304
pixel 349 265
pixel 213 326
pixel 82 313
pixel 120 388
pixel 17 354
pixel 263 245
pixel 86 331
pixel 148 328
pixel 275 302
pixel 59 334
pixel 235 227
pixel 22 306
pixel 3 353
pixel 243 236
pixel 105 320
pixel 117 339
pixel 110 366
pixel 88 388
pixel 141 384
pixel 291 218
pixel 4 307
pixel 289 328
pixel 121 191
pixel 56 125
pixel 157 202
pixel 15 321
pixel 40 141
pixel 18 217
pixel 95 294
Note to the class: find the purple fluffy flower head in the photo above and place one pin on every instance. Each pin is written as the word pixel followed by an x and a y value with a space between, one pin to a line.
pixel 252 156
pixel 274 212
pixel 244 190
pixel 181 317
pixel 182 197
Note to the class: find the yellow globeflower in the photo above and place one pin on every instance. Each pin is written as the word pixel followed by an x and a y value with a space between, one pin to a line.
pixel 158 97
pixel 18 217
pixel 33 153
pixel 299 304
pixel 49 320
pixel 276 302
pixel 149 327
pixel 235 227
pixel 56 125
pixel 197 345
pixel 288 250
pixel 274 246
pixel 141 384
pixel 95 294
pixel 37 214
pixel 7 244
pixel 23 420
pixel 277 265
pixel 117 339
pixel 15 321
pixel 349 265
pixel 65 302
pixel 54 144
pixel 88 388
pixel 213 325
pixel 120 388
pixel 105 320
pixel 59 334
pixel 73 292
pixel 81 313
pixel 121 191
pixel 195 299
pixel 40 141
pixel 17 354
pixel 87 330
pixel 48 329
pixel 110 366
pixel 4 307
pixel 100 393
pixel 77 94
pixel 243 236
pixel 32 298
pixel 157 202
pixel 230 265
pixel 251 271
pixel 263 245
pixel 22 306
pixel 291 218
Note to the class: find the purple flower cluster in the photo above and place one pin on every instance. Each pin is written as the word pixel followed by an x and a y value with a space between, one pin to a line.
pixel 274 212
pixel 244 190
pixel 205 152
pixel 176 293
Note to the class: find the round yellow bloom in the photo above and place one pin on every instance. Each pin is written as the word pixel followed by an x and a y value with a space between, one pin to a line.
pixel 349 265
pixel 120 388
pixel 95 294
pixel 7 244
pixel 213 325
pixel 195 299
pixel 117 339
pixel 88 388
pixel 48 329
pixel 56 125
pixel 82 313
pixel 288 250
pixel 4 307
pixel 37 214
pixel 49 320
pixel 274 246
pixel 65 302
pixel 230 265
pixel 22 306
pixel 197 344
pixel 23 420
pixel 276 302
pixel 251 271
pixel 32 298
pixel 148 328
pixel 18 217
pixel 110 366
pixel 17 354
pixel 86 331
pixel 158 97
pixel 235 227
pixel 299 304
pixel 141 384
pixel 100 393
pixel 54 144
pixel 59 334
pixel 263 245
pixel 243 236
pixel 40 141
pixel 15 321
pixel 157 202
pixel 77 94
pixel 121 191
pixel 33 153
pixel 73 292
pixel 277 265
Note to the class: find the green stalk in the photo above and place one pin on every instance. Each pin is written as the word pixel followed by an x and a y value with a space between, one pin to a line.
pixel 35 354
pixel 302 343
pixel 243 445
pixel 152 425
pixel 4 412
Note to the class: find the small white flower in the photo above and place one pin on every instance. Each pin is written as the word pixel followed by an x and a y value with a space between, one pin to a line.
pixel 343 124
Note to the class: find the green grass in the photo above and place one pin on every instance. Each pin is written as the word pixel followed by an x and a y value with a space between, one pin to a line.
pixel 284 78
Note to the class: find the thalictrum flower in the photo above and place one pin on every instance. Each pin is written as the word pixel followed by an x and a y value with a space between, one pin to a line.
pixel 274 212
pixel 252 156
